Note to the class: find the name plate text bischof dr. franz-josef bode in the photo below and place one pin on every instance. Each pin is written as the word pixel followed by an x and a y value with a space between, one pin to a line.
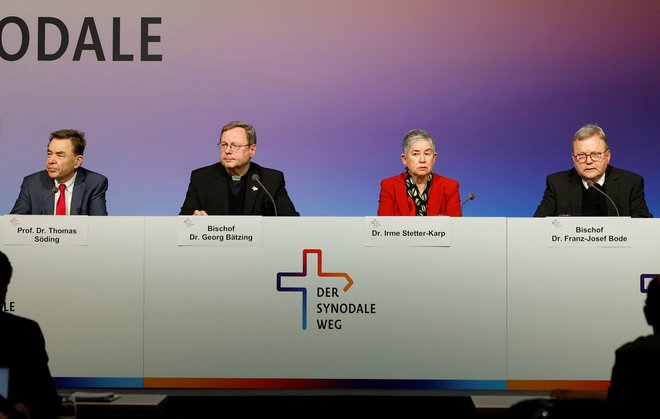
pixel 220 230
pixel 46 230
pixel 407 231
pixel 588 231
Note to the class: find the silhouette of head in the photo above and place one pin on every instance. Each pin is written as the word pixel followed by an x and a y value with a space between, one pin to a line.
pixel 5 275
pixel 652 306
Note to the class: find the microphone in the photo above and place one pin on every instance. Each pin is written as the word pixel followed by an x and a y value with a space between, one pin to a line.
pixel 255 177
pixel 53 191
pixel 469 198
pixel 591 184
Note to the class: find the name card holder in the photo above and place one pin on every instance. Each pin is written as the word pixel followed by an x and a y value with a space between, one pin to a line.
pixel 588 232
pixel 220 230
pixel 407 231
pixel 46 230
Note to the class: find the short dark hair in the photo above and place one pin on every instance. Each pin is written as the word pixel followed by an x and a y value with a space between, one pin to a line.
pixel 652 306
pixel 77 139
pixel 6 270
pixel 249 130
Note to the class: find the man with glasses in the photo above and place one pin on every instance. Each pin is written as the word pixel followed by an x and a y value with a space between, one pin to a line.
pixel 236 185
pixel 593 187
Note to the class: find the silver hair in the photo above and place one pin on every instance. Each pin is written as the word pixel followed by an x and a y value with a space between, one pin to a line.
pixel 589 131
pixel 416 135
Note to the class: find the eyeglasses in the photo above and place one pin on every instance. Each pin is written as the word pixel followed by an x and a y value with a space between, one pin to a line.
pixel 595 156
pixel 232 147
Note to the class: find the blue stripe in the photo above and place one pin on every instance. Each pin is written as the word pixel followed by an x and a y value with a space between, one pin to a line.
pixel 98 382
pixel 424 384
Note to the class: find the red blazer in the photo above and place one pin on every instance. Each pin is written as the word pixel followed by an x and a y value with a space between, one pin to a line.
pixel 444 198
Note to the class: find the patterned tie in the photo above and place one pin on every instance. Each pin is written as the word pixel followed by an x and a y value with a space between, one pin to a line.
pixel 61 201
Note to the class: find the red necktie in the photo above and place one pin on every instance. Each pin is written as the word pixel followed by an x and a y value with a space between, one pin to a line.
pixel 61 201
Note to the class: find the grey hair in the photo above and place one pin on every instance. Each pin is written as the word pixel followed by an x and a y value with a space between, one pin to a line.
pixel 416 135
pixel 589 131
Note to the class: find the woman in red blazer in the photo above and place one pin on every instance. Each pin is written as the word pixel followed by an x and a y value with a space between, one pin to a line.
pixel 418 191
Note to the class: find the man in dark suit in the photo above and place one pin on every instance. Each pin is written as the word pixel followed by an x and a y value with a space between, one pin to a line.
pixel 23 350
pixel 235 185
pixel 634 385
pixel 586 189
pixel 64 188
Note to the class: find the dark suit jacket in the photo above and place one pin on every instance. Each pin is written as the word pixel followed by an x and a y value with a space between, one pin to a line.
pixel 563 194
pixel 444 198
pixel 209 191
pixel 36 196
pixel 634 385
pixel 23 350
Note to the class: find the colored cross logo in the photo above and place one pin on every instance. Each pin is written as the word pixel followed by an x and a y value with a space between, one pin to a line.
pixel 319 273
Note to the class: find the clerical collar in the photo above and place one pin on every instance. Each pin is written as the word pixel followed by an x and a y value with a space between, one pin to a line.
pixel 236 178
pixel 600 181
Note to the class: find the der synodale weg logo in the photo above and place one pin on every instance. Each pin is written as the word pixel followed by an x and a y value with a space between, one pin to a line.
pixel 329 288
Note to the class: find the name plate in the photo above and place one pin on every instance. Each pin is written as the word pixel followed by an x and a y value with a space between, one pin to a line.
pixel 588 231
pixel 220 230
pixel 46 230
pixel 407 231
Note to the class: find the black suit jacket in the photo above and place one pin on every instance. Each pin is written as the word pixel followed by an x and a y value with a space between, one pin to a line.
pixel 634 385
pixel 23 350
pixel 209 191
pixel 36 196
pixel 563 194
